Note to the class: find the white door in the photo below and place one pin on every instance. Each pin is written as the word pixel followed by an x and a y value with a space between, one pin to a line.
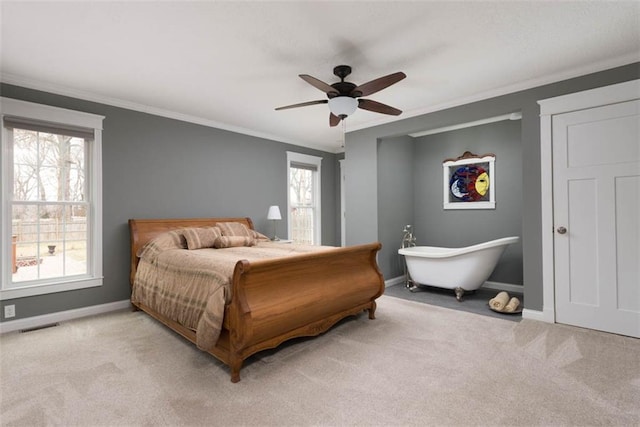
pixel 596 216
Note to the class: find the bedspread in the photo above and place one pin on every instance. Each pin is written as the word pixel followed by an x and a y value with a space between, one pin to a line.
pixel 192 287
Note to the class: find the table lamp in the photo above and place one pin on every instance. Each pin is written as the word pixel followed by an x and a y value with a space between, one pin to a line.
pixel 274 215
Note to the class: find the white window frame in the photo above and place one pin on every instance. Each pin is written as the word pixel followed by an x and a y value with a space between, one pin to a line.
pixel 305 159
pixel 93 278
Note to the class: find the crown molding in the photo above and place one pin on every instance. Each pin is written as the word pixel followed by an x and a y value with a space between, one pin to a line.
pixel 505 90
pixel 28 83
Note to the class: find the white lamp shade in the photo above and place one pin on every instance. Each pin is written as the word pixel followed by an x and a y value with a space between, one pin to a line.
pixel 274 213
pixel 343 105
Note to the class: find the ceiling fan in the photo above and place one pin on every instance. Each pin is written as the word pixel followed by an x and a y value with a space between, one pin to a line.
pixel 343 96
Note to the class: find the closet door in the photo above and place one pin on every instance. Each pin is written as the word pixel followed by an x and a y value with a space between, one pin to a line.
pixel 596 214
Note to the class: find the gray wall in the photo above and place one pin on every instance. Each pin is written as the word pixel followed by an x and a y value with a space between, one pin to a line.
pixel 155 167
pixel 362 163
pixel 338 201
pixel 396 197
pixel 435 226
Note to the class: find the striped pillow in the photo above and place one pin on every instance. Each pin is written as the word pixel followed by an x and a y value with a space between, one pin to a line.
pixel 234 229
pixel 233 242
pixel 198 238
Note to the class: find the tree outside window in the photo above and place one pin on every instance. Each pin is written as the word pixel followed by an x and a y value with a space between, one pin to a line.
pixel 304 198
pixel 49 206
pixel 301 196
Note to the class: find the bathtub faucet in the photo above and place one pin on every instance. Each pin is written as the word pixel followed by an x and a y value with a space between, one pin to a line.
pixel 408 239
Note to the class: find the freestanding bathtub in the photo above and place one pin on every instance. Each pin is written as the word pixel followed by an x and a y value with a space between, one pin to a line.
pixel 460 269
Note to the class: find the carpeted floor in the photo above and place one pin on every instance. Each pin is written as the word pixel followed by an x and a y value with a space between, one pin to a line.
pixel 416 364
pixel 472 302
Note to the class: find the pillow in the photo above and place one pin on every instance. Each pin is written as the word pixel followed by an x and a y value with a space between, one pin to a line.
pixel 259 236
pixel 168 240
pixel 233 242
pixel 234 229
pixel 198 238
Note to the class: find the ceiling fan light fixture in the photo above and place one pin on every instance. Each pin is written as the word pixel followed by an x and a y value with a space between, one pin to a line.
pixel 343 106
pixel 344 97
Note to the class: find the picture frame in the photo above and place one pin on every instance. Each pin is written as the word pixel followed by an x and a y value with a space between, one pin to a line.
pixel 469 181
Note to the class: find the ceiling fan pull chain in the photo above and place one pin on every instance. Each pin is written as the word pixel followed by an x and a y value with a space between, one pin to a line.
pixel 344 133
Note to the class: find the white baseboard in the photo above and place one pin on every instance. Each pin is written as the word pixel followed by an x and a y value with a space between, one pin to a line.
pixel 546 316
pixel 61 316
pixel 394 281
pixel 499 286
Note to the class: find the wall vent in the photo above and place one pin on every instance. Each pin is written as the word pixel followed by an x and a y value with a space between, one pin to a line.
pixel 37 328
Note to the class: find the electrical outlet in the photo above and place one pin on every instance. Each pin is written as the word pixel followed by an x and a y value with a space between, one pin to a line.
pixel 9 311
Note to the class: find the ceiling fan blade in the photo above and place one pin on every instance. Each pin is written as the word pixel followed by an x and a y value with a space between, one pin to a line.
pixel 319 84
pixel 303 104
pixel 377 107
pixel 376 85
pixel 333 120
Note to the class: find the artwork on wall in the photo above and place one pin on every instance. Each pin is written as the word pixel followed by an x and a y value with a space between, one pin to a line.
pixel 469 182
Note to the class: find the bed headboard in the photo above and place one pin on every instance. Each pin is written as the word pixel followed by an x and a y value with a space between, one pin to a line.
pixel 143 230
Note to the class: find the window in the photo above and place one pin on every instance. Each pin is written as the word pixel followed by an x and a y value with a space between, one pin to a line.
pixel 304 198
pixel 51 199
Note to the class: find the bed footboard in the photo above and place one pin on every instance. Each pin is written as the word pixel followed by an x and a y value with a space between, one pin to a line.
pixel 275 300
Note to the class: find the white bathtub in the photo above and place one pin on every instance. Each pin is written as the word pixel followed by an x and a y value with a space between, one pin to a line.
pixel 460 269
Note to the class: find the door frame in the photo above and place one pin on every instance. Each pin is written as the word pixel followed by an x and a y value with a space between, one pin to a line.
pixel 613 94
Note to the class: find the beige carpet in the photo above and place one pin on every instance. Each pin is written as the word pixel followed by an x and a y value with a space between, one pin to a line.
pixel 415 364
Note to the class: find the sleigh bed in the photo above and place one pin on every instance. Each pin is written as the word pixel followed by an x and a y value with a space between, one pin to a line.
pixel 266 300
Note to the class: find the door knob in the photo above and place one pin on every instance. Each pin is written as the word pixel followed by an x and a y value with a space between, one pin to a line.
pixel 561 230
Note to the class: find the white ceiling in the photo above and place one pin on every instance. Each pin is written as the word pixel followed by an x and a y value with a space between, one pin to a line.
pixel 229 64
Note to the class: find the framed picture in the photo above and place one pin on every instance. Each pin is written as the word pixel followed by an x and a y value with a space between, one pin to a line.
pixel 469 182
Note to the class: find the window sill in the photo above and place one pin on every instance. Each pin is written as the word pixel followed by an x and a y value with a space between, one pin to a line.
pixel 49 288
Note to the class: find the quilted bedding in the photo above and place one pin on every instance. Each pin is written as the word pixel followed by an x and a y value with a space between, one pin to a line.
pixel 192 287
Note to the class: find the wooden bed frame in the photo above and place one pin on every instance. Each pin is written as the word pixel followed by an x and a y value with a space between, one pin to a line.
pixel 278 299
